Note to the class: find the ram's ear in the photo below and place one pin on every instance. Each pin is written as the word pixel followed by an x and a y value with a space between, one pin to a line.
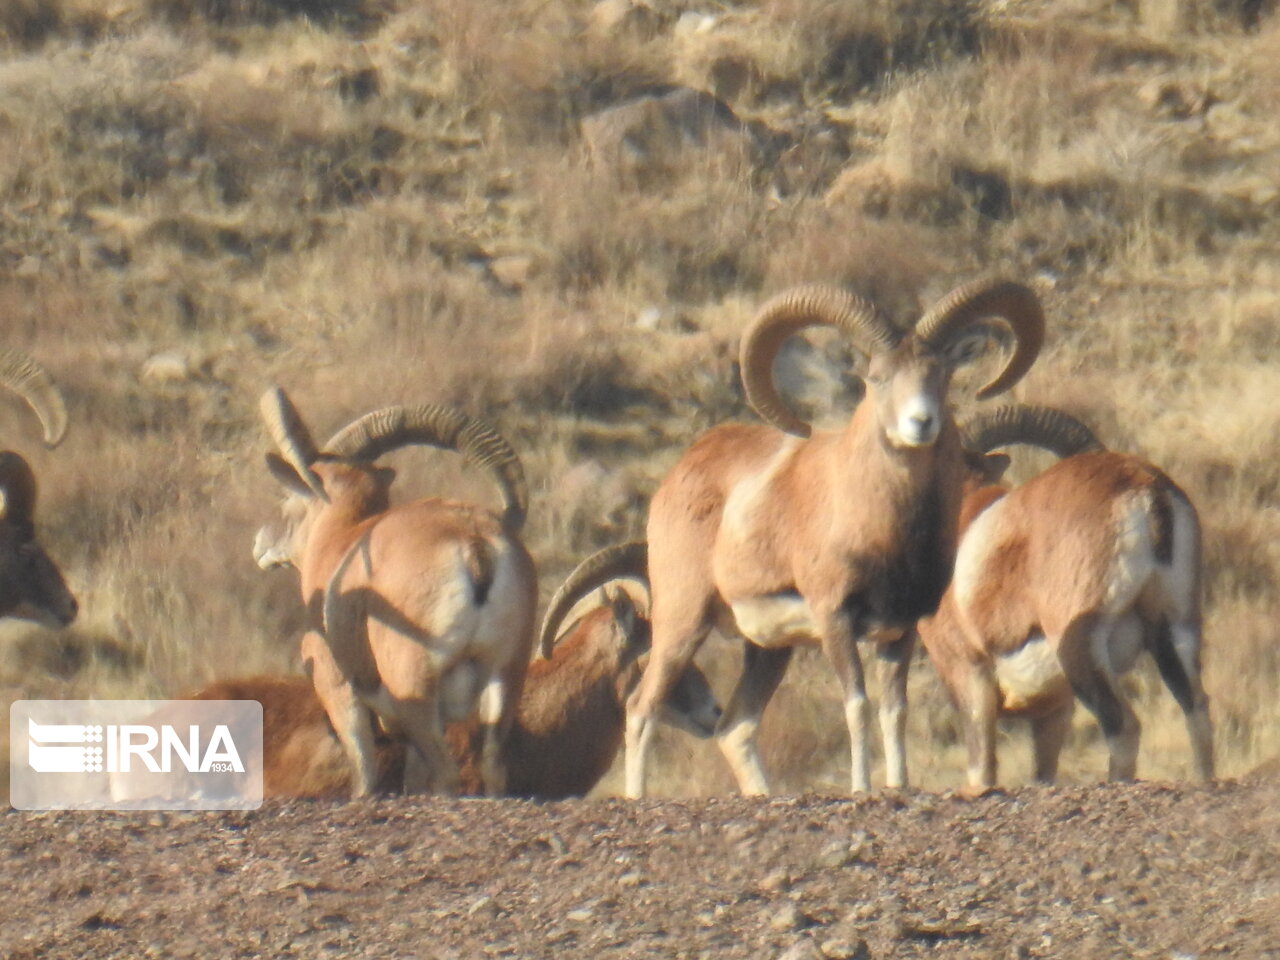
pixel 991 466
pixel 288 477
pixel 986 468
pixel 624 611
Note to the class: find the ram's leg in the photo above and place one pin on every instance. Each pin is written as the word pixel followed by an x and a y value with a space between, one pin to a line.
pixel 980 712
pixel 492 711
pixel 429 766
pixel 839 643
pixel 679 627
pixel 1177 653
pixel 1099 690
pixel 351 720
pixel 762 671
pixel 895 661
pixel 1049 732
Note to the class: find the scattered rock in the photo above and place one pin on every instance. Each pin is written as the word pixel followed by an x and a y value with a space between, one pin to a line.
pixel 778 881
pixel 787 917
pixel 842 853
pixel 634 17
pixel 169 367
pixel 692 22
pixel 513 271
pixel 839 948
pixel 649 318
pixel 649 132
pixel 804 949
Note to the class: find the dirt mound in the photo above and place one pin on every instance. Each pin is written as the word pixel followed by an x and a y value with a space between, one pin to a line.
pixel 1146 870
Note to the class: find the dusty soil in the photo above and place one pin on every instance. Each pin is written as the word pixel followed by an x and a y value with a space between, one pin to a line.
pixel 1142 870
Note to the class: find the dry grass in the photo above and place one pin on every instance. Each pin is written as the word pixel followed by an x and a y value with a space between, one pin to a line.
pixel 382 202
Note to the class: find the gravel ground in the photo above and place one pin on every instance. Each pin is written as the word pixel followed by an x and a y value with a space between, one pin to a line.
pixel 1111 870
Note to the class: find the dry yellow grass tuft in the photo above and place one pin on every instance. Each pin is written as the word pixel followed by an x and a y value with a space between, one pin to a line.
pixel 377 202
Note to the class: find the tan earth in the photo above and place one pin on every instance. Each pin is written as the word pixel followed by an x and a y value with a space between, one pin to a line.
pixel 1109 870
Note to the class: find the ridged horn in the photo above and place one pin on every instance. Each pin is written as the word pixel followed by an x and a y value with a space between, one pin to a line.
pixel 612 563
pixel 17 492
pixel 436 425
pixel 1045 427
pixel 292 438
pixel 30 381
pixel 1015 304
pixel 784 315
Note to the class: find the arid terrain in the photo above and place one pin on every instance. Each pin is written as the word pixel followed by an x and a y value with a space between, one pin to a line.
pixel 1123 870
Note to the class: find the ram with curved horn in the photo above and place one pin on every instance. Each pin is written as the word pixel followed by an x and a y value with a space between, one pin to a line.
pixel 783 535
pixel 31 585
pixel 569 724
pixel 425 608
pixel 1059 585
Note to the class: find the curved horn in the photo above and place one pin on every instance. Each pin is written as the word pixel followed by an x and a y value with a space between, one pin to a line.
pixel 290 435
pixel 436 425
pixel 29 380
pixel 17 492
pixel 789 312
pixel 611 563
pixel 1044 427
pixel 1012 302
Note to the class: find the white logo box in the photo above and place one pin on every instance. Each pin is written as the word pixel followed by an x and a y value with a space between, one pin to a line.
pixel 135 754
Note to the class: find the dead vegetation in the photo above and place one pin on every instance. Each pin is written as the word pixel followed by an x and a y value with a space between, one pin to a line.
pixel 197 196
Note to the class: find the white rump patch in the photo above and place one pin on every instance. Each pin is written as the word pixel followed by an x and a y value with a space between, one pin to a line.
pixel 973 554
pixel 458 690
pixel 780 620
pixel 1134 555
pixel 1030 672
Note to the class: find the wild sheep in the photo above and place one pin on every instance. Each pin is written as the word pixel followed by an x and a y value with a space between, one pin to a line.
pixel 1059 584
pixel 835 537
pixel 568 727
pixel 31 585
pixel 425 608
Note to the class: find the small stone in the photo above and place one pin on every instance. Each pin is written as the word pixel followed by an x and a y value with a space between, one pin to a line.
pixel 649 318
pixel 779 881
pixel 835 855
pixel 839 948
pixel 581 915
pixel 611 17
pixel 692 23
pixel 863 912
pixel 786 917
pixel 166 368
pixel 513 271
pixel 804 949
